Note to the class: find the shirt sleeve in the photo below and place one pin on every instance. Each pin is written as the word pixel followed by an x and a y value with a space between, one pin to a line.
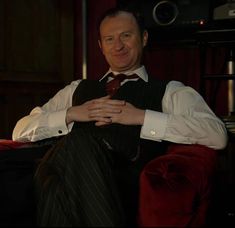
pixel 186 119
pixel 46 121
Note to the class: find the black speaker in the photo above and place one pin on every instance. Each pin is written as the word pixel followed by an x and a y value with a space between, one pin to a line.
pixel 170 14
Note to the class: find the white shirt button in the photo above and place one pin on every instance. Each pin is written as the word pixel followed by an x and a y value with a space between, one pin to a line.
pixel 152 132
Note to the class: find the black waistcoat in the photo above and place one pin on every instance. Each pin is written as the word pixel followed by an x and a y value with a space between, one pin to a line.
pixel 122 138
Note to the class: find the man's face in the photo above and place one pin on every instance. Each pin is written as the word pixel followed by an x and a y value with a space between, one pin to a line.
pixel 121 42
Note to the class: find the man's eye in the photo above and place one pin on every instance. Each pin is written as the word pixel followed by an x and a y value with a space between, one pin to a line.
pixel 126 36
pixel 108 40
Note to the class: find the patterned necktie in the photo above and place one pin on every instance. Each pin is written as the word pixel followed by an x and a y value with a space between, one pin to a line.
pixel 113 85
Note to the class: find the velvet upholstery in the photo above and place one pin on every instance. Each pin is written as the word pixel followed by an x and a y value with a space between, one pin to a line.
pixel 18 162
pixel 175 188
pixel 6 144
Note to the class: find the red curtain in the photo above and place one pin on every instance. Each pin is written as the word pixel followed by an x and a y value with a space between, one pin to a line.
pixel 186 64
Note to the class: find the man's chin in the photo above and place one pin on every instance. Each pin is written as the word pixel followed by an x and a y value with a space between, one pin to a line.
pixel 122 67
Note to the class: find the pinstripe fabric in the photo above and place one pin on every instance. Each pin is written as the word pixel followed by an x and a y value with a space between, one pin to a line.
pixel 80 182
pixel 75 185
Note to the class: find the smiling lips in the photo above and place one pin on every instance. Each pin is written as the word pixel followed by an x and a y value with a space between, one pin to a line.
pixel 122 55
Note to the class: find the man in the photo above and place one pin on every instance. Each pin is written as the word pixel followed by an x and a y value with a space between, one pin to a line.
pixel 90 178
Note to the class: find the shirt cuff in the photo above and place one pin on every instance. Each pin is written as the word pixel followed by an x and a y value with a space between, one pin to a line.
pixel 154 126
pixel 57 123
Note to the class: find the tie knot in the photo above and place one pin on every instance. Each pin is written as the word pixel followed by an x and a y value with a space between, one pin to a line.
pixel 113 85
pixel 119 77
pixel 122 77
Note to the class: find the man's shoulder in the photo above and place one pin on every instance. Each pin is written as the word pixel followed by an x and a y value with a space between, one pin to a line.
pixel 158 81
pixel 90 84
pixel 78 82
pixel 89 81
pixel 166 81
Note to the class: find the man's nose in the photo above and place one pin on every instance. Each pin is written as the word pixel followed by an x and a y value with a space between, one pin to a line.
pixel 118 44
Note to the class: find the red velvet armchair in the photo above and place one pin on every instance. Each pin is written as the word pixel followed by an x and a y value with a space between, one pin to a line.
pixel 175 188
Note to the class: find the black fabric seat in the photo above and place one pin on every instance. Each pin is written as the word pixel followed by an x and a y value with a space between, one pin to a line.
pixel 17 167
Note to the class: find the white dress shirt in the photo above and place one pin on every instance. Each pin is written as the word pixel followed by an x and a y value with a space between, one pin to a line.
pixel 186 118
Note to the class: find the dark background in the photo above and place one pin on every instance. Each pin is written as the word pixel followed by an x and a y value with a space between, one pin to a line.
pixel 41 50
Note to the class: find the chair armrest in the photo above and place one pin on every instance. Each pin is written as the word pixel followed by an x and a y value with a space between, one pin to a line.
pixel 6 144
pixel 175 188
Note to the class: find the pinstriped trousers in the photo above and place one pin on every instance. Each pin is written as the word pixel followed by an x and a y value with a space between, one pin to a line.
pixel 75 184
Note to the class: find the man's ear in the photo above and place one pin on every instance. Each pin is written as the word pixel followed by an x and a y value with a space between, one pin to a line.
pixel 99 42
pixel 145 38
pixel 100 45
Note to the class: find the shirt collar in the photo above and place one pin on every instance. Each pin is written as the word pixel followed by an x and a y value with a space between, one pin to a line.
pixel 141 72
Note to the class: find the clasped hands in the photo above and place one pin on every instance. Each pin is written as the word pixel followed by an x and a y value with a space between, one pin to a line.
pixel 104 111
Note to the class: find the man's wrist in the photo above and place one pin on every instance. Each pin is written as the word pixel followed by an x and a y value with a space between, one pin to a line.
pixel 68 118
